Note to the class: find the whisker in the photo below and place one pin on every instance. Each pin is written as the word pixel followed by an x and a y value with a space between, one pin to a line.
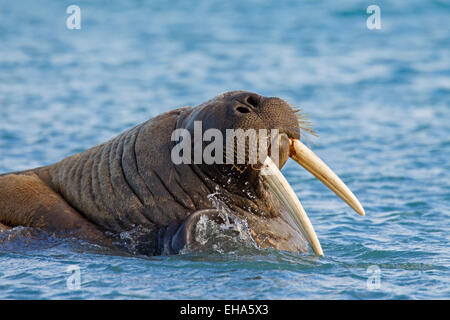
pixel 305 125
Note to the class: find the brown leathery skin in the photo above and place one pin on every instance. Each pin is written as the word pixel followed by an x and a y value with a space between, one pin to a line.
pixel 25 200
pixel 131 181
pixel 127 181
pixel 3 227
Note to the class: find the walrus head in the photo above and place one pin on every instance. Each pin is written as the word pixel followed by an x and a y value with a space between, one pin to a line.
pixel 255 190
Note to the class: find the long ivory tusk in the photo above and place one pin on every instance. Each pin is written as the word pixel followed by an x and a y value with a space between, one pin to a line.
pixel 311 162
pixel 278 184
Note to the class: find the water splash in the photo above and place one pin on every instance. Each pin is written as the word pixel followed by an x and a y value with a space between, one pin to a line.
pixel 230 235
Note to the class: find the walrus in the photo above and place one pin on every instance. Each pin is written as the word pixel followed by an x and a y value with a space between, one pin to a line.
pixel 130 181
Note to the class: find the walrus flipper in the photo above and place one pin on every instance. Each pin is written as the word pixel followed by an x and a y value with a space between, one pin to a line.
pixel 3 227
pixel 178 236
pixel 25 200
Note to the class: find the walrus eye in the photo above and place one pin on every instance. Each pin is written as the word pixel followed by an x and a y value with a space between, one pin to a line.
pixel 242 109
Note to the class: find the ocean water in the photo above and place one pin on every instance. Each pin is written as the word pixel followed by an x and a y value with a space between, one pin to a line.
pixel 379 100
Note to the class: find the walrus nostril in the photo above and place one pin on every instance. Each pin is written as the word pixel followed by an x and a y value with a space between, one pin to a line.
pixel 251 101
pixel 243 109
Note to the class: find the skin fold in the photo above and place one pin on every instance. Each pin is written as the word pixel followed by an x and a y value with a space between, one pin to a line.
pixel 130 181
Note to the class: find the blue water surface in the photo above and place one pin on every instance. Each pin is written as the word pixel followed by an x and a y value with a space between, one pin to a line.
pixel 379 100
